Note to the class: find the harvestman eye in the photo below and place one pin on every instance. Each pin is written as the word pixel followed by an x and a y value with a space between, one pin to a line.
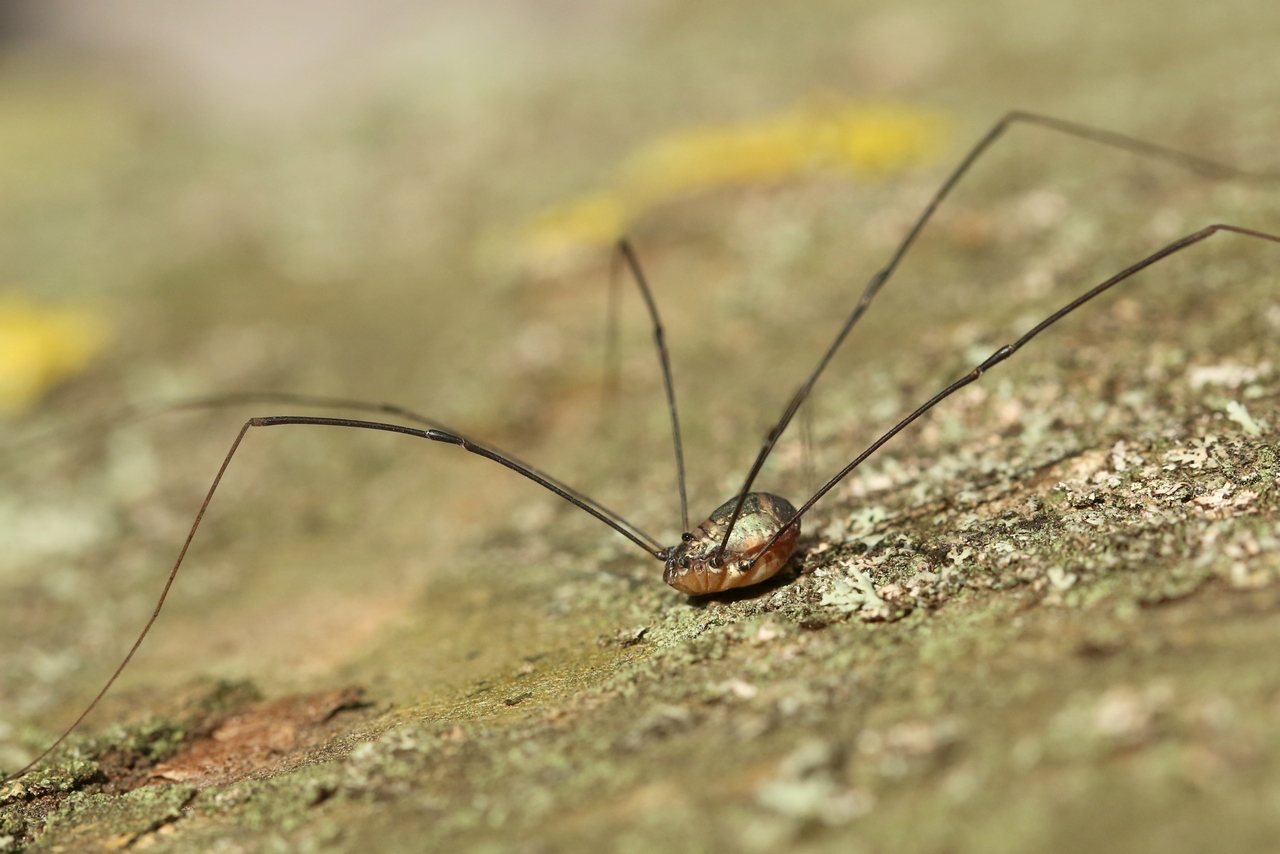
pixel 753 535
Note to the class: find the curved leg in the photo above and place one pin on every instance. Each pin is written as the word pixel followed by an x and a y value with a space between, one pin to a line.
pixel 1194 163
pixel 628 255
pixel 1008 350
pixel 132 414
pixel 435 435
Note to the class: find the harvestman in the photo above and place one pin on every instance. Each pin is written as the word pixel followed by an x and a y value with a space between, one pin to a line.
pixel 750 537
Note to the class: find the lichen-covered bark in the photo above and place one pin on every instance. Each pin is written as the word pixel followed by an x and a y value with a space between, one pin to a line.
pixel 1044 619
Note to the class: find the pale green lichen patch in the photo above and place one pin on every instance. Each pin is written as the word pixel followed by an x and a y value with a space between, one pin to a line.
pixel 67 802
pixel 100 766
pixel 112 823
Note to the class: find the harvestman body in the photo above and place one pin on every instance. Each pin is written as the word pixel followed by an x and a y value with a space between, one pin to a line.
pixel 752 536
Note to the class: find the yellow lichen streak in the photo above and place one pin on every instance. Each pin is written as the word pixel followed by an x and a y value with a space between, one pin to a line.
pixel 822 136
pixel 40 347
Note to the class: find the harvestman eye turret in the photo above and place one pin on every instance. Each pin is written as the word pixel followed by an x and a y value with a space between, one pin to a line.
pixel 752 536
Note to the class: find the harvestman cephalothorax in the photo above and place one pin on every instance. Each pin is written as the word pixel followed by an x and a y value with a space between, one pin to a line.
pixel 751 536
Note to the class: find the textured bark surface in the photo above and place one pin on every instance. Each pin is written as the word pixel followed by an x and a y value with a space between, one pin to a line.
pixel 1044 619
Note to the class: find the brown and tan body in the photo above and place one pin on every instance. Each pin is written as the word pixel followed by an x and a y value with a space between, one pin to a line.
pixel 689 565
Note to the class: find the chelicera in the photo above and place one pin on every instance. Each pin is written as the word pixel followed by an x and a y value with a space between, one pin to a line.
pixel 753 535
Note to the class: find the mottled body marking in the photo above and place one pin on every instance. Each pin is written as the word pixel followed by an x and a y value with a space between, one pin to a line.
pixel 690 565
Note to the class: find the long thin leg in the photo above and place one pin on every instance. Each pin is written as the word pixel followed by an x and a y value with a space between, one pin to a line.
pixel 434 435
pixel 612 358
pixel 660 342
pixel 1008 350
pixel 133 414
pixel 1199 165
pixel 806 446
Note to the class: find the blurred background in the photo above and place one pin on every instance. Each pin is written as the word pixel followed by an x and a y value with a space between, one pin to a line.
pixel 411 202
